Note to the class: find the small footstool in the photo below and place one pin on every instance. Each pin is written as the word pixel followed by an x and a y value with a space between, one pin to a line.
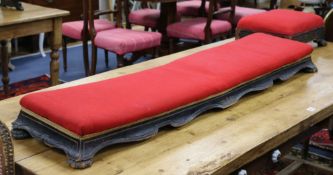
pixel 290 24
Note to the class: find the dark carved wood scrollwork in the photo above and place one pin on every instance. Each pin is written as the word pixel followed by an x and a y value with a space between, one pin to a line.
pixel 11 3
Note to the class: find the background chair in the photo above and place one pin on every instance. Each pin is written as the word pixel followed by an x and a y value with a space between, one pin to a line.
pixel 191 8
pixel 78 30
pixel 146 16
pixel 240 12
pixel 204 29
pixel 6 151
pixel 121 41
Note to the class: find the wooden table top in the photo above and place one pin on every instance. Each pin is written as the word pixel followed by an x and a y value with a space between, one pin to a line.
pixel 218 141
pixel 31 13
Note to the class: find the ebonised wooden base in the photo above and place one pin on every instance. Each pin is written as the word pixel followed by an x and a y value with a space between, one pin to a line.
pixel 80 152
pixel 317 35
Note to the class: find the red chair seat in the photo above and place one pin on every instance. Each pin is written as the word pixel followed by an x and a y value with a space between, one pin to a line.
pixel 240 12
pixel 113 103
pixel 73 29
pixel 145 17
pixel 123 41
pixel 190 8
pixel 194 28
pixel 284 22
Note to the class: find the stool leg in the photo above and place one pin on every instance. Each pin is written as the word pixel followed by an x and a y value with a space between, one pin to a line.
pixel 64 53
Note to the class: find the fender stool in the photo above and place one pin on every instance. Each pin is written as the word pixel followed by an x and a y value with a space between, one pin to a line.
pixel 295 25
pixel 82 120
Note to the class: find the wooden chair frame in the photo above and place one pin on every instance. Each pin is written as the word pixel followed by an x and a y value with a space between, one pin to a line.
pixel 85 37
pixel 212 12
pixel 121 62
pixel 143 4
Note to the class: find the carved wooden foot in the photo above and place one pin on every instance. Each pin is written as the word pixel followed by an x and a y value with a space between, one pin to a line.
pixel 310 69
pixel 20 134
pixel 79 164
pixel 321 42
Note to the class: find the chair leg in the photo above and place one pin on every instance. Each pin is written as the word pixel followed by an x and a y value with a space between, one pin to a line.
pixel 64 53
pixel 120 61
pixel 93 60
pixel 171 49
pixel 86 56
pixel 106 54
pixel 156 52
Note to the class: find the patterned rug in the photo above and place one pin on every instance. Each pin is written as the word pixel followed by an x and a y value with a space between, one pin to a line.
pixel 322 140
pixel 26 86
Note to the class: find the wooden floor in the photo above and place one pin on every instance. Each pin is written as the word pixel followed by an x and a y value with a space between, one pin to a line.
pixel 216 142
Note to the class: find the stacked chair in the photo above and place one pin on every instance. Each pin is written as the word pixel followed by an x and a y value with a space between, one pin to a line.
pixel 194 8
pixel 121 41
pixel 146 16
pixel 203 28
pixel 210 20
pixel 240 12
pixel 75 30
pixel 191 8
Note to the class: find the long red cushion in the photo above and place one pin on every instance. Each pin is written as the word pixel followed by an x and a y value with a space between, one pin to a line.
pixel 285 22
pixel 112 103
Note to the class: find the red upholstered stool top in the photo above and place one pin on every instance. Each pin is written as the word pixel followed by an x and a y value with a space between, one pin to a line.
pixel 74 29
pixel 109 104
pixel 285 22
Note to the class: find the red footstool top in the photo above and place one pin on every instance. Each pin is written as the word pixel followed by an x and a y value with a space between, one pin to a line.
pixel 284 22
pixel 113 103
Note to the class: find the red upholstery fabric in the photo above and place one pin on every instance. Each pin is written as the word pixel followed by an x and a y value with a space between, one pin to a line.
pixel 123 41
pixel 145 17
pixel 195 28
pixel 240 12
pixel 73 29
pixel 95 107
pixel 190 8
pixel 285 22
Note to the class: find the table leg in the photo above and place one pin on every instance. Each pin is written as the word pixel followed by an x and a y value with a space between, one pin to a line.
pixel 168 16
pixel 56 43
pixel 4 62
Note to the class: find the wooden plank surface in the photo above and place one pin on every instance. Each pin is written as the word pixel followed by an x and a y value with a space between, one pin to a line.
pixel 30 13
pixel 216 142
